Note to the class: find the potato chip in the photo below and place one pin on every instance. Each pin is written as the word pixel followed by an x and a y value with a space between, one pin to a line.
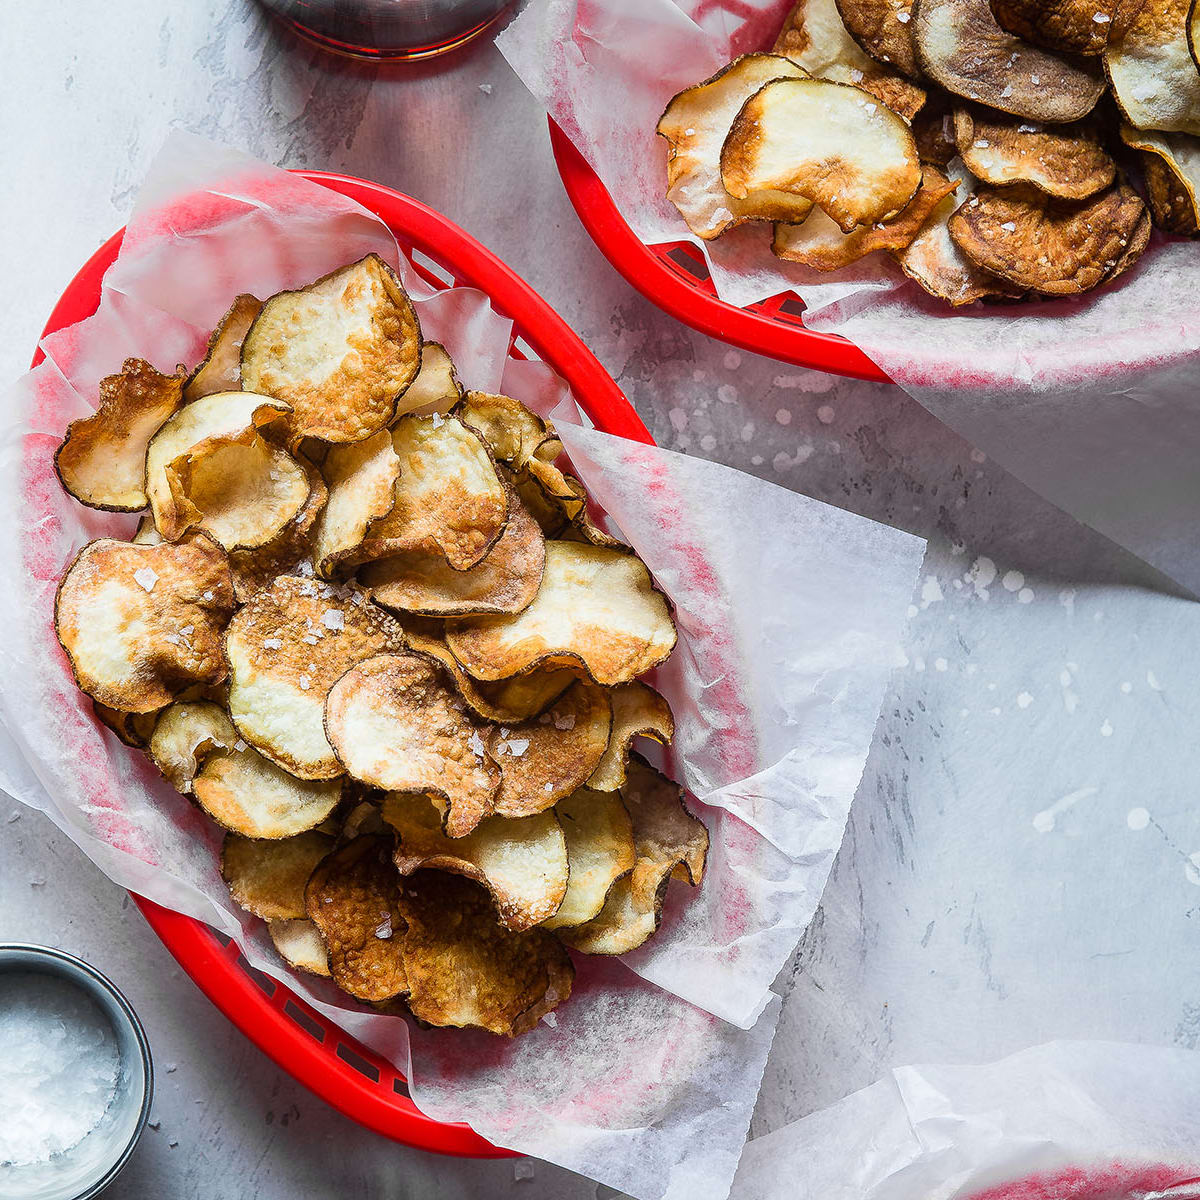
pixel 600 850
pixel 286 648
pixel 147 533
pixel 638 711
pixel 141 623
pixel 184 735
pixel 960 46
pixel 353 898
pixel 933 131
pixel 268 878
pixel 833 143
pixel 300 945
pixel 547 758
pixel 395 724
pixel 102 459
pixel 1151 71
pixel 340 352
pixel 449 500
pixel 1032 241
pixel 506 581
pixel 820 243
pixel 597 608
pixel 361 478
pixel 694 125
pixel 883 29
pixel 668 840
pixel 436 387
pixel 814 37
pixel 220 370
pixel 513 433
pixel 1139 239
pixel 465 970
pixel 1171 164
pixel 363 817
pixel 522 862
pixel 134 729
pixel 1068 26
pixel 1067 161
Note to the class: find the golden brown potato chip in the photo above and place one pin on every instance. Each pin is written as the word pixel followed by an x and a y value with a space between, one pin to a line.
pixel 597 608
pixel 134 729
pixel 268 878
pixel 220 370
pixel 1171 163
pixel 184 735
pixel 361 478
pixel 522 862
pixel 883 28
pixel 638 711
pixel 960 46
pixel 933 131
pixel 299 944
pixel 668 840
pixel 831 142
pixel 363 817
pixel 395 724
pixel 353 898
pixel 141 623
pixel 1068 26
pixel 547 758
pixel 1139 239
pixel 820 243
pixel 286 648
pixel 340 352
pixel 514 434
pixel 694 125
pixel 449 500
pixel 814 37
pixel 102 459
pixel 465 970
pixel 436 387
pixel 1067 161
pixel 506 581
pixel 1151 70
pixel 600 850
pixel 1035 242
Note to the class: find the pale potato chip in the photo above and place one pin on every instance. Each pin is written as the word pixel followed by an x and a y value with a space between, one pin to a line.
pixel 820 243
pixel 436 387
pixel 268 878
pixel 134 729
pixel 395 724
pixel 1068 26
pixel 546 758
pixel 300 945
pixel 836 144
pixel 184 736
pixel 147 532
pixel 286 648
pixel 514 434
pixel 223 415
pixel 449 500
pixel 361 478
pixel 814 37
pixel 506 581
pixel 1152 73
pixel 1025 237
pixel 340 352
pixel 1067 161
pixel 1171 163
pixel 522 862
pixel 694 125
pixel 102 459
pixel 463 969
pixel 961 46
pixel 353 898
pixel 141 623
pixel 597 608
pixel 600 849
pixel 220 370
pixel 883 28
pixel 638 711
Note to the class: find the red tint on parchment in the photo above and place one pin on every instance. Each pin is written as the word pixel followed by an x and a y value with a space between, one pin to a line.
pixel 1111 1181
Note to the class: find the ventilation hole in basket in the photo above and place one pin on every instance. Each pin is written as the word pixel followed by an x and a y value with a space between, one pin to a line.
pixel 310 1025
pixel 357 1061
pixel 222 938
pixel 792 307
pixel 400 1087
pixel 265 983
pixel 525 349
pixel 686 264
pixel 434 268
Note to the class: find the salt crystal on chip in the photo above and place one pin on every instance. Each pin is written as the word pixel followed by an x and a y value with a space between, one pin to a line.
pixel 146 577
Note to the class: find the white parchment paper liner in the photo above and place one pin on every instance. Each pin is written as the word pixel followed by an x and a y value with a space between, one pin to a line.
pixel 1061 1121
pixel 647 1079
pixel 1091 401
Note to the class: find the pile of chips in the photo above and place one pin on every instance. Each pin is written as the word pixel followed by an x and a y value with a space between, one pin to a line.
pixel 981 143
pixel 370 628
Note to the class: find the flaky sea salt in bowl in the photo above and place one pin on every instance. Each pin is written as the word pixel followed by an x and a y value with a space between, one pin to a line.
pixel 76 1078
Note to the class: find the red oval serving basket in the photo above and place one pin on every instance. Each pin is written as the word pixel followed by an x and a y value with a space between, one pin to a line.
pixel 339 1069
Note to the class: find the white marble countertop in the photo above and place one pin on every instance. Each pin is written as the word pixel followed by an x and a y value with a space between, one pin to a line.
pixel 1023 858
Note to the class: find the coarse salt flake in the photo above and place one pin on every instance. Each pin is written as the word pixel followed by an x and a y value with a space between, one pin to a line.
pixel 146 578
pixel 240 746
pixel 518 746
pixel 305 683
pixel 1011 226
pixel 476 743
pixel 272 644
pixel 333 618
pixel 564 722
pixel 383 930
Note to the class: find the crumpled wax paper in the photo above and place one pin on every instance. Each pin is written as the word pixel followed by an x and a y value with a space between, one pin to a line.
pixel 1060 1121
pixel 647 1077
pixel 1091 401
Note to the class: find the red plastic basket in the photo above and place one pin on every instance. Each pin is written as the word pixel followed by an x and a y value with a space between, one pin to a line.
pixel 675 276
pixel 339 1069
